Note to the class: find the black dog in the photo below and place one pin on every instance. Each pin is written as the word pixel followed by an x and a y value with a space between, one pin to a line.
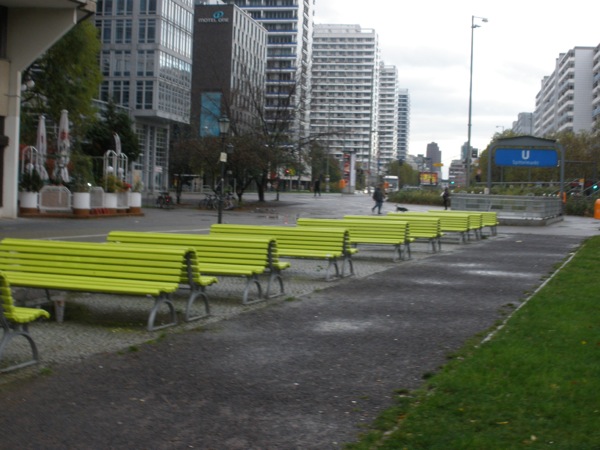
pixel 401 209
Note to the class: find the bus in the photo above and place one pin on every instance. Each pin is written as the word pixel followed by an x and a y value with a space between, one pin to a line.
pixel 390 183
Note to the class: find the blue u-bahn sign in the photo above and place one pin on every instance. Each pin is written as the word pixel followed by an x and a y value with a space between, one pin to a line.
pixel 523 157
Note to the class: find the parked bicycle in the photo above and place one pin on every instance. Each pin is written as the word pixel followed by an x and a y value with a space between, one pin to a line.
pixel 164 200
pixel 229 201
pixel 210 201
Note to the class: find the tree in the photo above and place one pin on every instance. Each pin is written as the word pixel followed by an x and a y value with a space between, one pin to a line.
pixel 100 134
pixel 66 77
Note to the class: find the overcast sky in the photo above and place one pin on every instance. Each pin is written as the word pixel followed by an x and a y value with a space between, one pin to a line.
pixel 430 43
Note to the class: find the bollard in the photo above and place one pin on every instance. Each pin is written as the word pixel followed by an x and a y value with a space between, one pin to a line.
pixel 597 209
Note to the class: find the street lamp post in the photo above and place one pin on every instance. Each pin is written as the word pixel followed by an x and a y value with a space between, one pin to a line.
pixel 473 26
pixel 223 132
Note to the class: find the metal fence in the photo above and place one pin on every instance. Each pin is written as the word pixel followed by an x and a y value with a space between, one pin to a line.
pixel 510 206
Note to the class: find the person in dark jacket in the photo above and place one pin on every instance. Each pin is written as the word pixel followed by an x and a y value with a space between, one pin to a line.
pixel 317 186
pixel 378 196
pixel 446 198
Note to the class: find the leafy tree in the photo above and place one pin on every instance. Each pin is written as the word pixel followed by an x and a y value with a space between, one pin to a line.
pixel 100 134
pixel 66 77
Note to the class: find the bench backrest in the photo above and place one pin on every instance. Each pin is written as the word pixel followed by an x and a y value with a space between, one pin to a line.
pixel 364 229
pixel 455 223
pixel 98 260
pixel 474 218
pixel 489 218
pixel 419 226
pixel 210 249
pixel 293 238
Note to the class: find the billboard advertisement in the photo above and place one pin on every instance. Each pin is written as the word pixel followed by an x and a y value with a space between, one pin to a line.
pixel 428 178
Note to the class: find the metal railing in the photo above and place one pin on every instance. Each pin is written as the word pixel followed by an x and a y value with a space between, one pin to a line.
pixel 526 207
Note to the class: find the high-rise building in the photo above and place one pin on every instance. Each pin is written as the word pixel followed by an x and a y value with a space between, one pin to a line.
pixel 403 123
pixel 289 24
pixel 457 173
pixel 564 102
pixel 345 97
pixel 524 124
pixel 388 116
pixel 229 64
pixel 146 62
pixel 434 155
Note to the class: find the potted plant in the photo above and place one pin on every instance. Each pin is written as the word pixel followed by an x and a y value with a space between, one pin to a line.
pixel 31 183
pixel 135 197
pixel 112 185
pixel 81 183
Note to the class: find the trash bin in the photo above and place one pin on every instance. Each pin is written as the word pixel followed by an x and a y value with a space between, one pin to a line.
pixel 597 209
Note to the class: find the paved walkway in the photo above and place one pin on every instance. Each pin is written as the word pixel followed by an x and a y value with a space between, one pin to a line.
pixel 304 372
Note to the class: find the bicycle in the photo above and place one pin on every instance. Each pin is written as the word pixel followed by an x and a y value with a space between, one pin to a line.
pixel 229 201
pixel 164 200
pixel 210 201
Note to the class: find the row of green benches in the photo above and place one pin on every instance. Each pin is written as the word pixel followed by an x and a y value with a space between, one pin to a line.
pixel 158 264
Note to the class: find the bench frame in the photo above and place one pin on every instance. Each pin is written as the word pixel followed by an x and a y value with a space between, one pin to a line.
pixel 15 322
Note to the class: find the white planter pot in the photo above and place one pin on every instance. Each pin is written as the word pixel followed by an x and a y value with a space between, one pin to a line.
pixel 28 201
pixel 135 202
pixel 110 200
pixel 82 203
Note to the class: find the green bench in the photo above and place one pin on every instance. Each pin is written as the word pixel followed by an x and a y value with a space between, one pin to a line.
pixel 475 220
pixel 15 322
pixel 370 232
pixel 421 228
pixel 449 224
pixel 105 268
pixel 221 256
pixel 489 219
pixel 326 244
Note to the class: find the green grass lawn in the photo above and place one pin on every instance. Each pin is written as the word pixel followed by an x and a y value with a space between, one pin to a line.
pixel 535 384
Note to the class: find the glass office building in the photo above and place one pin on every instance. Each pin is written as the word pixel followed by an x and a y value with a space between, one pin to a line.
pixel 146 63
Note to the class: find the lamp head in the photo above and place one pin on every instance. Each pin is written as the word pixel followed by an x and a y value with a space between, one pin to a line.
pixel 223 126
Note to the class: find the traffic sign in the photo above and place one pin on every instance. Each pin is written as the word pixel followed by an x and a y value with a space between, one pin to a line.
pixel 438 164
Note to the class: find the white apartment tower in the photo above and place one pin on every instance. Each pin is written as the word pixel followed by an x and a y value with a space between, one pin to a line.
pixel 345 95
pixel 289 24
pixel 146 62
pixel 564 102
pixel 403 123
pixel 524 124
pixel 388 117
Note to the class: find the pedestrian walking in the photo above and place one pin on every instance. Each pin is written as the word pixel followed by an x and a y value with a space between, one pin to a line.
pixel 317 186
pixel 378 196
pixel 446 198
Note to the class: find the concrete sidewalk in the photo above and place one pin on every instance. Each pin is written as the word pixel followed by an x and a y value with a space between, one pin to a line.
pixel 304 372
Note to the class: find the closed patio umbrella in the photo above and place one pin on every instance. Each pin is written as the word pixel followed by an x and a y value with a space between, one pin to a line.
pixel 61 172
pixel 42 149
